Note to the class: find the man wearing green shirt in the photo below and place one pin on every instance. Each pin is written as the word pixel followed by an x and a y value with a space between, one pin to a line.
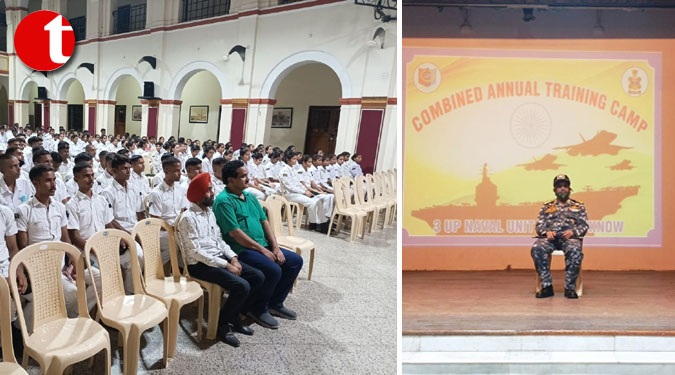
pixel 245 228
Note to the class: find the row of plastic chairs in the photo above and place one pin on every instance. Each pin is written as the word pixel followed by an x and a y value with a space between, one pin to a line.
pixel 57 342
pixel 364 198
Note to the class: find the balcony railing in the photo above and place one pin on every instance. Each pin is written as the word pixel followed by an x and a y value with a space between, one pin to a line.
pixel 199 9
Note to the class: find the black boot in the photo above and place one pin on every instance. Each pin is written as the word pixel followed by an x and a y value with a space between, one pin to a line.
pixel 571 293
pixel 312 226
pixel 545 292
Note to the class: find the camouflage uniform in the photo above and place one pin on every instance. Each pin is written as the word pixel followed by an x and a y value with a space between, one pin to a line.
pixel 559 217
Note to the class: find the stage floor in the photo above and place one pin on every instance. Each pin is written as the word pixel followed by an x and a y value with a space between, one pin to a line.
pixel 503 303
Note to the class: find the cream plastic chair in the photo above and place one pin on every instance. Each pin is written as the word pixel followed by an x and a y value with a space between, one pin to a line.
pixel 358 217
pixel 214 291
pixel 375 185
pixel 56 341
pixel 175 291
pixel 380 208
pixel 351 189
pixel 8 365
pixel 274 204
pixel 130 315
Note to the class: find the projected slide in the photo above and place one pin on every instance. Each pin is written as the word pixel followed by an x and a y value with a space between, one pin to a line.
pixel 486 131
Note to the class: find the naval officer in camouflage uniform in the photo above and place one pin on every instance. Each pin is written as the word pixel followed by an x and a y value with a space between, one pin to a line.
pixel 561 224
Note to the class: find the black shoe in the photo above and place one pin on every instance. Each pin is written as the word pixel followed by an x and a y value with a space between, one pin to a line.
pixel 284 313
pixel 546 292
pixel 227 336
pixel 323 227
pixel 264 320
pixel 312 226
pixel 571 293
pixel 246 330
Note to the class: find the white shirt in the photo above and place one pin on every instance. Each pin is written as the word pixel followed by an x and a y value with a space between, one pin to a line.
pixel 200 238
pixel 7 228
pixel 141 183
pixel 272 170
pixel 355 170
pixel 256 171
pixel 218 186
pixel 23 192
pixel 125 202
pixel 167 201
pixel 40 222
pixel 88 215
pixel 207 167
pixel 105 179
pixel 66 170
pixel 290 180
pixel 73 189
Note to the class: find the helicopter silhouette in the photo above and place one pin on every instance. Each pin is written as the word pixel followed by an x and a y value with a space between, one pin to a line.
pixel 598 145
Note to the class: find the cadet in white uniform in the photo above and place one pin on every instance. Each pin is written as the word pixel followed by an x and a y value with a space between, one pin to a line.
pixel 167 200
pixel 138 178
pixel 127 206
pixel 207 160
pixel 14 189
pixel 296 192
pixel 217 180
pixel 44 219
pixel 355 167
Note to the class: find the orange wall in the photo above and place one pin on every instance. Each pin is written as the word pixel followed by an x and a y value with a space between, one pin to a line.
pixel 595 258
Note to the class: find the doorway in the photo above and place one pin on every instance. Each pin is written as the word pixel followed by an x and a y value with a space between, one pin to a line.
pixel 75 117
pixel 37 120
pixel 120 119
pixel 322 126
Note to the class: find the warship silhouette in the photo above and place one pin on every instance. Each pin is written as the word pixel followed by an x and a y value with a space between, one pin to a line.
pixel 599 203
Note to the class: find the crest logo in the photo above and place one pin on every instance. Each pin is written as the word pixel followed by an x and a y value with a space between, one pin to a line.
pixel 427 77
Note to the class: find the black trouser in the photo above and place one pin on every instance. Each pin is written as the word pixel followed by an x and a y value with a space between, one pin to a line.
pixel 242 289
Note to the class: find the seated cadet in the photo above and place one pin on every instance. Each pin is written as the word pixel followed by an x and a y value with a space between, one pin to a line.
pixel 306 180
pixel 245 228
pixel 355 168
pixel 193 167
pixel 337 167
pixel 127 207
pixel 72 186
pixel 324 173
pixel 9 247
pixel 14 189
pixel 138 175
pixel 87 212
pixel 210 259
pixel 16 152
pixel 44 219
pixel 207 159
pixel 315 172
pixel 253 188
pixel 167 200
pixel 217 180
pixel 273 167
pixel 297 192
pixel 159 177
pixel 257 173
pixel 106 178
pixel 44 157
pixel 66 167
pixel 102 163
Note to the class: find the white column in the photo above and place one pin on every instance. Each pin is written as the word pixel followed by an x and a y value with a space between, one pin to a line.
pixel 225 122
pixel 105 117
pixel 169 118
pixel 264 119
pixel 256 118
pixel 21 112
pixel 348 127
pixel 144 118
pixel 58 114
pixel 387 153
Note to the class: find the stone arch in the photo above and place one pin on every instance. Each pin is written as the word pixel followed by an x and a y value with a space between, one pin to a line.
pixel 115 80
pixel 281 70
pixel 64 85
pixel 187 71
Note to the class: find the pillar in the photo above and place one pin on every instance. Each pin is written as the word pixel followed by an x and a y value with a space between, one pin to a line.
pixel 169 118
pixel 105 116
pixel 90 115
pixel 348 126
pixel 225 126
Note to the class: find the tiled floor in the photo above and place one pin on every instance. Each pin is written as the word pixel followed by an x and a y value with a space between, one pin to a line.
pixel 346 321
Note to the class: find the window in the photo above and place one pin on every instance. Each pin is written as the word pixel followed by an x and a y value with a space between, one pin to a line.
pixel 129 18
pixel 79 25
pixel 199 9
pixel 3 32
